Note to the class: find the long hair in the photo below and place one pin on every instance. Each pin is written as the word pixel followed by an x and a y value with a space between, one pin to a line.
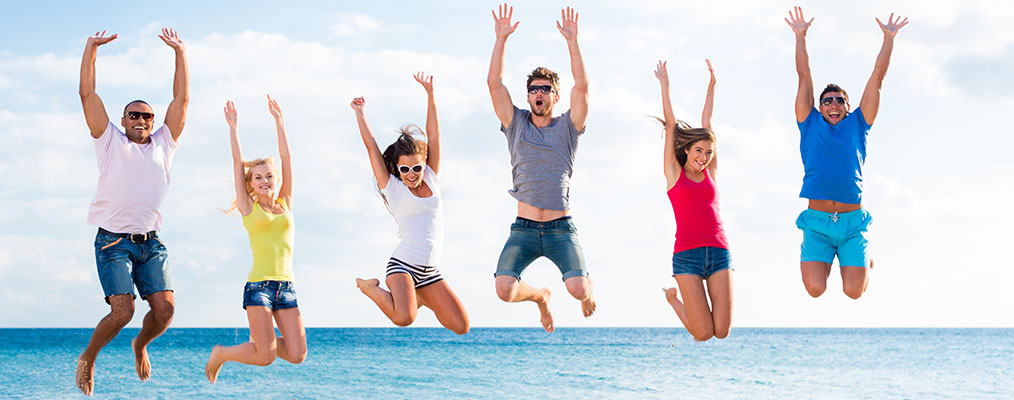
pixel 405 145
pixel 248 167
pixel 685 136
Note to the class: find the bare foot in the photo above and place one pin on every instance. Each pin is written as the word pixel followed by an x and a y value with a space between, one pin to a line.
pixel 141 363
pixel 588 306
pixel 84 378
pixel 214 364
pixel 366 284
pixel 672 296
pixel 546 318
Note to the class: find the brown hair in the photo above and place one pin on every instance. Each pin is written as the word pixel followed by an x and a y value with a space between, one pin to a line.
pixel 405 145
pixel 685 136
pixel 833 88
pixel 544 73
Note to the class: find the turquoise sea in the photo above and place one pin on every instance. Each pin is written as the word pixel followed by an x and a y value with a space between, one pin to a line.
pixel 523 363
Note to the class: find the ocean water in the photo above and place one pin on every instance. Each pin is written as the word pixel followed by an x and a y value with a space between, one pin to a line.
pixel 523 363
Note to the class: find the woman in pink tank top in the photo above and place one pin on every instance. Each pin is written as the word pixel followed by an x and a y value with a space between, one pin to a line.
pixel 700 254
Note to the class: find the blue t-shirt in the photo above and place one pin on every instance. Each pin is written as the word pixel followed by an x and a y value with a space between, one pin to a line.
pixel 833 157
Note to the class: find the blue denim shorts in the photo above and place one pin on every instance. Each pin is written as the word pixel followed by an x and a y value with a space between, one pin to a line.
pixel 275 295
pixel 828 234
pixel 123 264
pixel 529 240
pixel 701 261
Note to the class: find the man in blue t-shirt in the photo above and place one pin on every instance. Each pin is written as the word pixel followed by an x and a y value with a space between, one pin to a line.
pixel 542 151
pixel 832 143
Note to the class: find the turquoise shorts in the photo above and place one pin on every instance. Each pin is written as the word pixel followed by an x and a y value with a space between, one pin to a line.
pixel 826 235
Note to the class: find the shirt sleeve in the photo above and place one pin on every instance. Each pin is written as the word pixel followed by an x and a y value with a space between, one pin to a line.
pixel 103 142
pixel 520 116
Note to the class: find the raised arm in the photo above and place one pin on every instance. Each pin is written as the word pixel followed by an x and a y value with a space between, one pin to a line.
pixel 502 104
pixel 579 94
pixel 709 100
pixel 176 115
pixel 804 96
pixel 94 110
pixel 432 125
pixel 243 201
pixel 376 158
pixel 284 191
pixel 870 104
pixel 670 167
pixel 709 108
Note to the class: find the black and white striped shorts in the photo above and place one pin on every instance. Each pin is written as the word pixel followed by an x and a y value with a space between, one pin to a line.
pixel 421 274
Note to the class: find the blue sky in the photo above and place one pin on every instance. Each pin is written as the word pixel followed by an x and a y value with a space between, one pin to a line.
pixel 935 172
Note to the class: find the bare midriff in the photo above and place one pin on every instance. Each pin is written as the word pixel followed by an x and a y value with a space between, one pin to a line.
pixel 832 206
pixel 528 211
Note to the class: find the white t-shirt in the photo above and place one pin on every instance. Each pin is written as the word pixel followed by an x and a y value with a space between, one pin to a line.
pixel 133 180
pixel 420 221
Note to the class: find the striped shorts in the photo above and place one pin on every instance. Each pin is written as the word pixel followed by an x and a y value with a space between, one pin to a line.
pixel 421 274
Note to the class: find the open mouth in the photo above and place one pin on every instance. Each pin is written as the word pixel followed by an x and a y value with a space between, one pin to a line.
pixel 538 102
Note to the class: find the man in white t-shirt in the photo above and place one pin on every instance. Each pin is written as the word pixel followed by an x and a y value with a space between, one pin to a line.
pixel 133 181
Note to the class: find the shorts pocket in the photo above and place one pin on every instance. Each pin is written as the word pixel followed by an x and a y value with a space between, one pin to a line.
pixel 106 245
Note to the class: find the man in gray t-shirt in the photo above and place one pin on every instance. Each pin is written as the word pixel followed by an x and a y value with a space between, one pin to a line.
pixel 542 158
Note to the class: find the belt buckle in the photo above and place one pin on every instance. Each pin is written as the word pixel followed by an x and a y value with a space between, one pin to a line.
pixel 138 238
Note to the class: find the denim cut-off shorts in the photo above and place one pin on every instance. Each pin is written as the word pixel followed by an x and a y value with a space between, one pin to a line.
pixel 529 240
pixel 828 234
pixel 123 264
pixel 275 295
pixel 701 261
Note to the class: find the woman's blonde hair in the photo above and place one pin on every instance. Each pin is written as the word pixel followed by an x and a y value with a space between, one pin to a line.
pixel 248 167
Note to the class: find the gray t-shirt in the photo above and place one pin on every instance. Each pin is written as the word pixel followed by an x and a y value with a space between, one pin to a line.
pixel 542 159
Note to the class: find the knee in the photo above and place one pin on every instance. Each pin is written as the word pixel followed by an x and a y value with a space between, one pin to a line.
pixel 815 289
pixel 265 358
pixel 721 333
pixel 461 328
pixel 298 356
pixel 164 313
pixel 703 335
pixel 506 291
pixel 853 292
pixel 579 292
pixel 121 317
pixel 403 320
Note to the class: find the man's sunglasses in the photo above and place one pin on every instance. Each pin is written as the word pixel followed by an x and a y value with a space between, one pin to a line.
pixel 415 168
pixel 827 100
pixel 135 115
pixel 544 89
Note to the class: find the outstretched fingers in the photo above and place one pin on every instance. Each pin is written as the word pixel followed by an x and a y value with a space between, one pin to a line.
pixel 568 26
pixel 661 72
pixel 502 21
pixel 425 80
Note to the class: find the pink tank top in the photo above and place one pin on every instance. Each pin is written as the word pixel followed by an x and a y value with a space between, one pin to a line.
pixel 695 205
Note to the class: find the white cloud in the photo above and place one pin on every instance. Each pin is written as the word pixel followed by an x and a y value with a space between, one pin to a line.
pixel 355 25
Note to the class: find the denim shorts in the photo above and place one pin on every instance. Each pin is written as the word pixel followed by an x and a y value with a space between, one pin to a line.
pixel 529 240
pixel 701 261
pixel 275 295
pixel 123 264
pixel 828 234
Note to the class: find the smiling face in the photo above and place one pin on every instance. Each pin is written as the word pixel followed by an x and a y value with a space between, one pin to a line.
pixel 834 107
pixel 699 155
pixel 541 104
pixel 412 179
pixel 264 180
pixel 138 129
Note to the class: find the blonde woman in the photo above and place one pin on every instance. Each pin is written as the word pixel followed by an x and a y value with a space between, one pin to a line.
pixel 264 199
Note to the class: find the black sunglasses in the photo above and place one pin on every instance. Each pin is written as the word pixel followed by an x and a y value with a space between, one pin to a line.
pixel 827 100
pixel 545 89
pixel 135 115
pixel 405 168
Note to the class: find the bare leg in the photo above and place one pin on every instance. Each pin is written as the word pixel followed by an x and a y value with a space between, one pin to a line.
pixel 581 288
pixel 513 290
pixel 445 305
pixel 121 311
pixel 698 313
pixel 156 321
pixel 672 296
pixel 259 351
pixel 292 343
pixel 399 305
pixel 720 292
pixel 815 275
pixel 854 280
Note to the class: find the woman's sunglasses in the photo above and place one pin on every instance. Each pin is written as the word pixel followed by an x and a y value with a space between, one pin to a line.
pixel 415 168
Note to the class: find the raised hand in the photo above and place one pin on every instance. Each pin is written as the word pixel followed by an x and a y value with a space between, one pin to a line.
pixel 569 27
pixel 662 73
pixel 273 108
pixel 711 70
pixel 230 113
pixel 796 21
pixel 425 81
pixel 172 39
pixel 100 38
pixel 358 103
pixel 502 22
pixel 892 26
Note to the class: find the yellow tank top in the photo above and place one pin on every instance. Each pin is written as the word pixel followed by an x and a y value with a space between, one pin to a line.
pixel 271 238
